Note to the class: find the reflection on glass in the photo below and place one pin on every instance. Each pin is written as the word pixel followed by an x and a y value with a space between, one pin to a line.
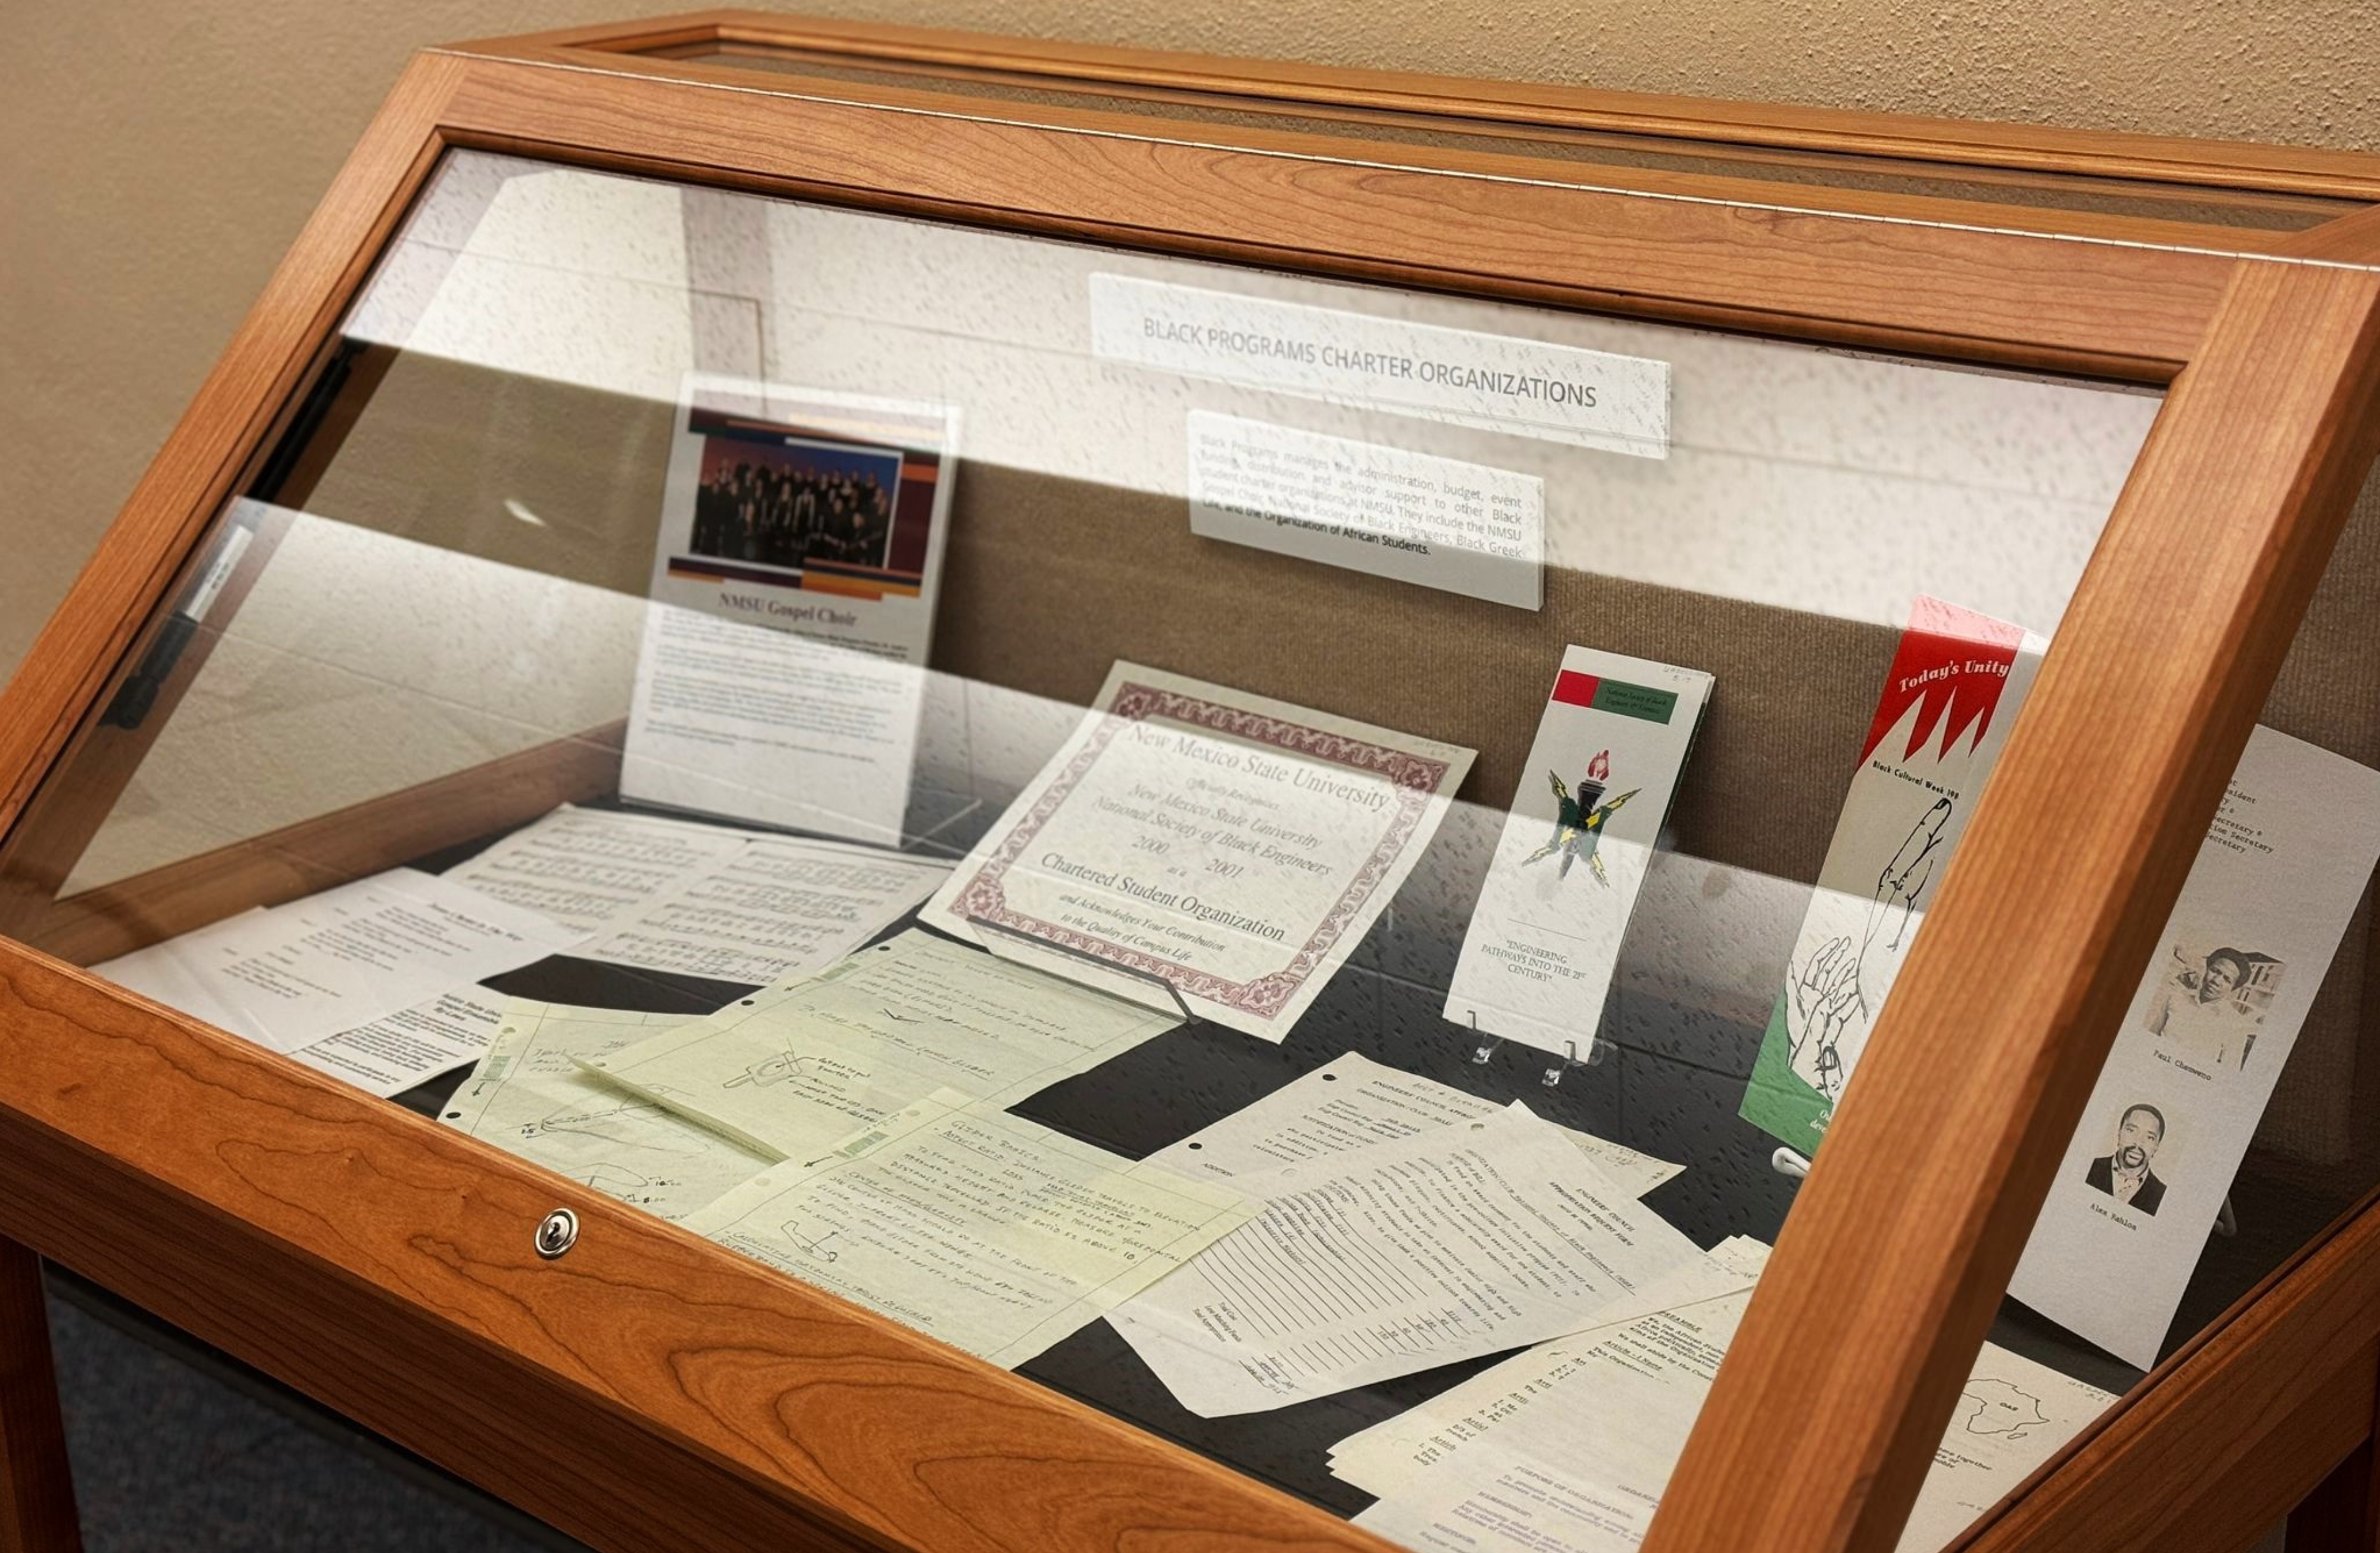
pixel 1050 772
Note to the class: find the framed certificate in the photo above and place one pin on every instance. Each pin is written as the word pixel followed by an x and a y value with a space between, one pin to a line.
pixel 1234 847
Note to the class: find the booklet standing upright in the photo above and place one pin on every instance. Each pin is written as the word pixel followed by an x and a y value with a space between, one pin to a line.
pixel 2192 1070
pixel 1957 680
pixel 1538 957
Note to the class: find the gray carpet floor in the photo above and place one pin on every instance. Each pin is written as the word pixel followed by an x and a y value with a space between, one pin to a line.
pixel 187 1456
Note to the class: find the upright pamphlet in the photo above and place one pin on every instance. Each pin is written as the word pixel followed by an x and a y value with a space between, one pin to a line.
pixel 1544 940
pixel 782 669
pixel 1954 689
pixel 2202 1045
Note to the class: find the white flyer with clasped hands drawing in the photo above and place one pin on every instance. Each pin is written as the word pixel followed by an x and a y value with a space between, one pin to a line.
pixel 1950 698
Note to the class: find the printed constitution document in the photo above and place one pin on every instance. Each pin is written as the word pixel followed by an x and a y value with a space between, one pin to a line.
pixel 594 869
pixel 979 1228
pixel 1538 956
pixel 2202 1045
pixel 1384 1458
pixel 299 973
pixel 1351 1103
pixel 391 1055
pixel 1448 1245
pixel 1575 1449
pixel 1953 691
pixel 794 1070
pixel 1234 847
pixel 703 900
pixel 780 907
pixel 530 1096
pixel 799 561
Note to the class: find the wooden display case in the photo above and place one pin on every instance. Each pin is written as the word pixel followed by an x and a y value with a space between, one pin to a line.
pixel 649 1389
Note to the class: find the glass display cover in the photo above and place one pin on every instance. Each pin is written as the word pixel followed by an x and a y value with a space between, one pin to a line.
pixel 1305 864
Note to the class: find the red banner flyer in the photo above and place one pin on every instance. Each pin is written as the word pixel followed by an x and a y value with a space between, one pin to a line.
pixel 1954 688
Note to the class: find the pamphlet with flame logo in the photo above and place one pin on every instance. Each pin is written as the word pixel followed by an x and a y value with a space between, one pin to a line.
pixel 1956 683
pixel 1538 955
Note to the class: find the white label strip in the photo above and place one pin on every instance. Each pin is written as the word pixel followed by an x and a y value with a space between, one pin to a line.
pixel 1494 381
pixel 202 597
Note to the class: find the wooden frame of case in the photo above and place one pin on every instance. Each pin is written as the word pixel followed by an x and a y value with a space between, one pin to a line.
pixel 651 1391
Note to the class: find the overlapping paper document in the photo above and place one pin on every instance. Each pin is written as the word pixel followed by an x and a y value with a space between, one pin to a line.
pixel 988 1231
pixel 701 900
pixel 1352 1103
pixel 1448 1244
pixel 1234 847
pixel 1567 1448
pixel 531 1094
pixel 396 1052
pixel 1388 1457
pixel 794 1069
pixel 373 980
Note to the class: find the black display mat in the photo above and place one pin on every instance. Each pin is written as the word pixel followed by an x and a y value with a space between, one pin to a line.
pixel 1641 1088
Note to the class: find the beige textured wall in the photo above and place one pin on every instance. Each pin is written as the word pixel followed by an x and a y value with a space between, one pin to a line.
pixel 160 156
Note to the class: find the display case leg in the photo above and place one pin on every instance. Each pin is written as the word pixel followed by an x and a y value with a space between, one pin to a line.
pixel 37 1508
pixel 2343 1514
pixel 2336 1517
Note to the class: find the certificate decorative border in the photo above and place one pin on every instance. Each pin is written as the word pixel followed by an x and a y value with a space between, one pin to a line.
pixel 1415 778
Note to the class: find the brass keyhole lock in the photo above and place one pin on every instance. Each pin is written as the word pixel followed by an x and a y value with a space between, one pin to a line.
pixel 557 1233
